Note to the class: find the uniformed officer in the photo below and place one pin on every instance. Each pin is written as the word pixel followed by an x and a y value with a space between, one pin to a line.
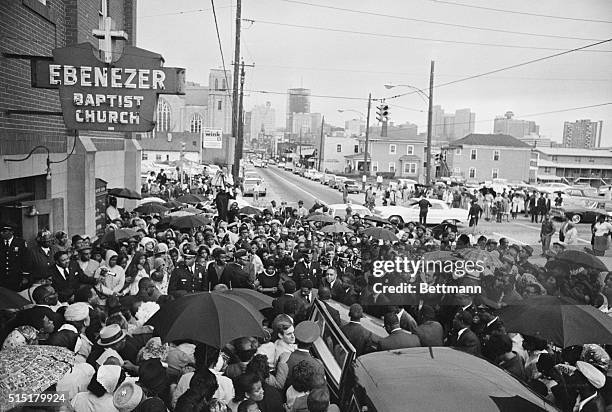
pixel 188 276
pixel 13 258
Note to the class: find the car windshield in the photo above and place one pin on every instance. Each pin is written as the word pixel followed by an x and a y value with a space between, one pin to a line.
pixel 349 182
pixel 251 181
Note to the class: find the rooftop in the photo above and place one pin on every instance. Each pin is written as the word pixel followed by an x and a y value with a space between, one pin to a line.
pixel 496 140
pixel 567 151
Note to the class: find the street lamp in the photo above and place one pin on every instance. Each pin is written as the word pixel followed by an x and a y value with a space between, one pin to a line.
pixel 361 115
pixel 429 100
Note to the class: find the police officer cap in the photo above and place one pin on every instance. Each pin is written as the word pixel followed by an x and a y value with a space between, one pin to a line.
pixel 6 226
pixel 240 253
pixel 189 250
pixel 307 331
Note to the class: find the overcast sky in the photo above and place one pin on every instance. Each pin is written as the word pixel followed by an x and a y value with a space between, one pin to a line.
pixel 337 63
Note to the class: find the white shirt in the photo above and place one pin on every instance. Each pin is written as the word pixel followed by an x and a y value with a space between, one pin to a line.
pixel 461 333
pixel 602 228
pixel 62 271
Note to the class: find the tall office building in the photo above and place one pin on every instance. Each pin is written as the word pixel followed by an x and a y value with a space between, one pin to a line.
pixel 298 101
pixel 583 134
pixel 262 120
pixel 449 127
pixel 514 127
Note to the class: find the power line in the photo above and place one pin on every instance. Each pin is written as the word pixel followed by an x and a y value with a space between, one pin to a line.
pixel 399 36
pixel 212 2
pixel 185 12
pixel 508 67
pixel 523 13
pixel 438 22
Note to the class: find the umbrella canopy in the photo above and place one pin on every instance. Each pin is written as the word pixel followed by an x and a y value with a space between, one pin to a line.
pixel 212 318
pixel 336 228
pixel 441 255
pixel 173 204
pixel 320 217
pixel 114 236
pixel 249 210
pixel 257 299
pixel 151 199
pixel 180 213
pixel 10 299
pixel 447 380
pixel 380 233
pixel 477 254
pixel 190 198
pixel 31 369
pixel 151 208
pixel 580 258
pixel 189 222
pixel 376 219
pixel 124 193
pixel 559 320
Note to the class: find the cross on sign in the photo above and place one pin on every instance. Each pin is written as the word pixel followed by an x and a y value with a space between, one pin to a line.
pixel 106 34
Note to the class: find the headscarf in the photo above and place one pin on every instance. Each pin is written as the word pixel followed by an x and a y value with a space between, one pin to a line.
pixel 108 376
pixel 596 356
pixel 154 349
pixel 109 255
pixel 21 336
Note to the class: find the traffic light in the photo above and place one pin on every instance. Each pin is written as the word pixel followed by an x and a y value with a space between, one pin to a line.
pixel 382 112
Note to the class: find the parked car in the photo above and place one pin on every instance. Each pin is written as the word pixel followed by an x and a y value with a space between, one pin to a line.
pixel 250 186
pixel 438 212
pixel 579 210
pixel 552 187
pixel 581 191
pixel 289 167
pixel 316 176
pixel 339 209
pixel 327 178
pixel 353 186
pixel 338 180
pixel 309 173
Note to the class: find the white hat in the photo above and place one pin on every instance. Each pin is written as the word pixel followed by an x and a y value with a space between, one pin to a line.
pixel 111 334
pixel 593 375
pixel 77 312
pixel 108 377
pixel 128 396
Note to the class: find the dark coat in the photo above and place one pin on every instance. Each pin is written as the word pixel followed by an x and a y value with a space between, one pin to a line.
pixel 313 272
pixel 468 342
pixel 399 339
pixel 40 263
pixel 430 333
pixel 66 286
pixel 13 262
pixel 235 276
pixel 212 276
pixel 296 357
pixel 181 279
pixel 361 338
pixel 64 338
pixel 338 291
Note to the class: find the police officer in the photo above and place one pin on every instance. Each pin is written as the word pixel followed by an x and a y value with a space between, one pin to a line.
pixel 41 255
pixel 13 258
pixel 188 276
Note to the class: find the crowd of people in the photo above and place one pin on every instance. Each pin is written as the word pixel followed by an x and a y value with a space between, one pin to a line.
pixel 95 299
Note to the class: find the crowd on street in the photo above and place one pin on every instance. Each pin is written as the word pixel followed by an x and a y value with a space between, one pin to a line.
pixel 95 298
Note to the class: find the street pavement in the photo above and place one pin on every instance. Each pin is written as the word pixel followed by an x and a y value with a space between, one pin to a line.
pixel 285 186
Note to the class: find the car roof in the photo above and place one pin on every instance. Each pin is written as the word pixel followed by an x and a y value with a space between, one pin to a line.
pixel 343 206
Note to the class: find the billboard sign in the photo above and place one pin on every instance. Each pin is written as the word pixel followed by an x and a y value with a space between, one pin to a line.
pixel 212 139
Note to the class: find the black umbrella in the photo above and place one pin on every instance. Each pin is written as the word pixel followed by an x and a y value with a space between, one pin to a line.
pixel 190 198
pixel 124 193
pixel 257 299
pixel 189 222
pixel 173 204
pixel 211 318
pixel 151 208
pixel 10 299
pixel 376 219
pixel 580 258
pixel 380 233
pixel 320 217
pixel 559 320
pixel 249 210
pixel 114 236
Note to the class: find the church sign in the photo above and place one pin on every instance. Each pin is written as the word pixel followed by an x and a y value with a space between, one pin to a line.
pixel 120 96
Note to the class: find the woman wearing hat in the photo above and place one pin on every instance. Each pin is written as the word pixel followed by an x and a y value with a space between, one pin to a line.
pixel 112 276
pixel 99 395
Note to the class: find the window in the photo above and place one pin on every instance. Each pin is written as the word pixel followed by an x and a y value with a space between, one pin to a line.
pixel 224 84
pixel 158 157
pixel 356 149
pixel 392 149
pixel 392 167
pixel 458 151
pixel 338 148
pixel 195 125
pixel 494 173
pixel 219 103
pixel 496 155
pixel 473 154
pixel 216 84
pixel 410 168
pixel 472 172
pixel 457 170
pixel 167 158
pixel 375 167
pixel 410 150
pixel 145 156
pixel 163 116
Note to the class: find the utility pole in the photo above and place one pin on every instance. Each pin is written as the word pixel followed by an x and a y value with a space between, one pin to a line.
pixel 240 139
pixel 429 125
pixel 321 144
pixel 301 128
pixel 366 168
pixel 238 147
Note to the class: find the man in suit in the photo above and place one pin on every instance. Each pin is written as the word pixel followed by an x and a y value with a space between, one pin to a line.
pixel 41 257
pixel 338 289
pixel 462 337
pixel 430 332
pixel 13 258
pixel 324 295
pixel 362 339
pixel 398 338
pixel 307 269
pixel 306 333
pixel 406 321
pixel 282 302
pixel 305 297
pixel 235 274
pixel 65 279
pixel 215 269
pixel 188 276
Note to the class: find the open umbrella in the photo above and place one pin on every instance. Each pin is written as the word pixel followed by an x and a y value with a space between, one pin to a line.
pixel 190 198
pixel 336 228
pixel 173 204
pixel 477 254
pixel 212 318
pixel 114 236
pixel 189 222
pixel 441 255
pixel 580 258
pixel 124 193
pixel 447 380
pixel 180 213
pixel 320 217
pixel 380 233
pixel 151 208
pixel 257 299
pixel 31 369
pixel 151 199
pixel 249 210
pixel 559 320
pixel 376 219
pixel 10 299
